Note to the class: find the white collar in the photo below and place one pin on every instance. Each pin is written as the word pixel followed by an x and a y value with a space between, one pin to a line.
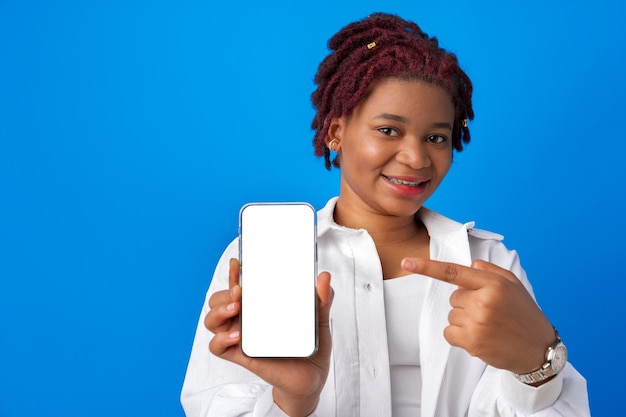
pixel 437 225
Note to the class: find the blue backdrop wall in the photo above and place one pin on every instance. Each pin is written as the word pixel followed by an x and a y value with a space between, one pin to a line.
pixel 132 131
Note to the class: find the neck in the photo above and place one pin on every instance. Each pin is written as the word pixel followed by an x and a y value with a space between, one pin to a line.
pixel 384 229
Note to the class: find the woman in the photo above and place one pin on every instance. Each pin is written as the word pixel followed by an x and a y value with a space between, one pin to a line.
pixel 429 317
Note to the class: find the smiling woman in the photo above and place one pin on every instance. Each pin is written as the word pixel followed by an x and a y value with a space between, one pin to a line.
pixel 392 105
pixel 394 149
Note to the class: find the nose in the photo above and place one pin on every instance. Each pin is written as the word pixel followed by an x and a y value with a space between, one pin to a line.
pixel 414 154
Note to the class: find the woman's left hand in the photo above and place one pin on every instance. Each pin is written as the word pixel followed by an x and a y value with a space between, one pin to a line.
pixel 493 317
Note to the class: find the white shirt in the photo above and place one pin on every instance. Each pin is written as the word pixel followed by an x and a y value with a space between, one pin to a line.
pixel 404 298
pixel 453 383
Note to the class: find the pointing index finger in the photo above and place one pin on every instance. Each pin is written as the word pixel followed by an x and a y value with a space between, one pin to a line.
pixel 462 276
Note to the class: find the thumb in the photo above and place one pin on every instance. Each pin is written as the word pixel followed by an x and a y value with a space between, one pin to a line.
pixel 324 290
pixel 489 267
pixel 325 296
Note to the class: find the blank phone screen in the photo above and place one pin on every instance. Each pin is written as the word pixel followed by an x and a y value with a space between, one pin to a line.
pixel 278 273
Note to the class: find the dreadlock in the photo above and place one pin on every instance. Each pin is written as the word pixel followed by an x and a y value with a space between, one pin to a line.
pixel 384 46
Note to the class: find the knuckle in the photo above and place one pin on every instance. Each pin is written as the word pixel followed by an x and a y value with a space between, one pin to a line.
pixel 483 317
pixel 447 334
pixel 453 317
pixel 453 297
pixel 451 273
pixel 208 321
pixel 500 285
pixel 484 301
pixel 214 299
pixel 490 298
pixel 486 309
pixel 213 320
pixel 456 298
pixel 214 346
pixel 478 263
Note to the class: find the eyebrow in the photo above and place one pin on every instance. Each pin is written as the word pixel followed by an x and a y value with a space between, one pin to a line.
pixel 442 125
pixel 389 116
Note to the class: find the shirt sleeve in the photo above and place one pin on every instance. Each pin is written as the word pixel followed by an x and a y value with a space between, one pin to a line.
pixel 214 387
pixel 498 393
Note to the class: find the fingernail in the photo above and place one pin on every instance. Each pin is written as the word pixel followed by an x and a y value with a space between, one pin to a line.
pixel 408 264
pixel 232 292
pixel 230 307
pixel 233 335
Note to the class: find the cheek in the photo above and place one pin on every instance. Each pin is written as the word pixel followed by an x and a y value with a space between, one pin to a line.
pixel 443 162
pixel 364 154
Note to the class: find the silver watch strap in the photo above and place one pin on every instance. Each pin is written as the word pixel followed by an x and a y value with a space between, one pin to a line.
pixel 546 371
pixel 539 375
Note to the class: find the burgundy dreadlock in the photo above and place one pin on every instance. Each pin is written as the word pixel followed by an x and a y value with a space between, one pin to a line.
pixel 384 46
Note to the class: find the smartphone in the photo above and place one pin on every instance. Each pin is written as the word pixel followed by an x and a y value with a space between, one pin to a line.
pixel 278 260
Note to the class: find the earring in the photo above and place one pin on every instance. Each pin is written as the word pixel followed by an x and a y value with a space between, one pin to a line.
pixel 332 145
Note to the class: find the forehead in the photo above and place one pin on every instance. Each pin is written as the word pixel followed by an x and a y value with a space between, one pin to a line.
pixel 407 97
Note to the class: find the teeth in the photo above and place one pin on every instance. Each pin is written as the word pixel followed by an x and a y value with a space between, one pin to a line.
pixel 403 182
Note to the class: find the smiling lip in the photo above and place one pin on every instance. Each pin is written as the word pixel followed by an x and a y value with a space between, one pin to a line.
pixel 406 186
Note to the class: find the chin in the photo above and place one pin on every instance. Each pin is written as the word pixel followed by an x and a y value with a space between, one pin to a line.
pixel 404 209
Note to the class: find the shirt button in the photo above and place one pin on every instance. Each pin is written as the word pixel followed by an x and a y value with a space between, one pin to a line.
pixel 368 286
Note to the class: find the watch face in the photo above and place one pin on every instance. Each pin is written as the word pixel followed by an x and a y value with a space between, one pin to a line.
pixel 559 358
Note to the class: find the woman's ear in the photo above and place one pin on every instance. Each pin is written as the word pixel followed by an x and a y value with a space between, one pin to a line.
pixel 335 132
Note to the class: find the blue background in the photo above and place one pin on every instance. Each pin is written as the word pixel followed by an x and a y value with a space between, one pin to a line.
pixel 132 131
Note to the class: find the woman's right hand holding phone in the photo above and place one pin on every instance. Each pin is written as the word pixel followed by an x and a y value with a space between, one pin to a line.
pixel 297 382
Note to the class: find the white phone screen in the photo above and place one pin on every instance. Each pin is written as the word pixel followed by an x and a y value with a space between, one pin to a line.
pixel 278 274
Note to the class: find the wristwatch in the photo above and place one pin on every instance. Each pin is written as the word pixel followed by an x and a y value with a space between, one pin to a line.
pixel 556 358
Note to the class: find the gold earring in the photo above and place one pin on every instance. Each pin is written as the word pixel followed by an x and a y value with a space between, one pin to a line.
pixel 332 145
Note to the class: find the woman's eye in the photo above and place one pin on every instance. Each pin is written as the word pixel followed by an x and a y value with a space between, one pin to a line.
pixel 436 139
pixel 389 131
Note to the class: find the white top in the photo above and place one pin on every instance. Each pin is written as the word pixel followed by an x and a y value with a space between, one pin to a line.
pixel 404 298
pixel 454 384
